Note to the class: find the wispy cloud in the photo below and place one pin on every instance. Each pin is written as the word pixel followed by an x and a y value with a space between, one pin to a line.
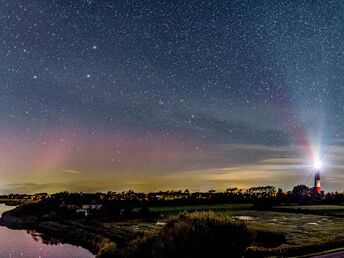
pixel 72 171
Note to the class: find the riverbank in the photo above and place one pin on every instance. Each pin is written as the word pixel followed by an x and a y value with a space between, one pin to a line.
pixel 29 243
pixel 92 237
pixel 15 202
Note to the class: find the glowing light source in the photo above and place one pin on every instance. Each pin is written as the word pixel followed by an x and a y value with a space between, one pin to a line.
pixel 317 164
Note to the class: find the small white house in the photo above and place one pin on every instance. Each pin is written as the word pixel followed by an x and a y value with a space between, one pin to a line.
pixel 91 206
pixel 81 212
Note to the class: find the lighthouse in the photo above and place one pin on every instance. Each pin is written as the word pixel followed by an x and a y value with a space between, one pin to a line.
pixel 317 182
pixel 316 188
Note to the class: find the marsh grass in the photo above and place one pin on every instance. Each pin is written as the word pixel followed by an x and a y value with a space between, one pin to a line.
pixel 175 210
pixel 197 234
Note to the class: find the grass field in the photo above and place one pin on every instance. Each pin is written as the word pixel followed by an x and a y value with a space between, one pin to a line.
pixel 314 207
pixel 328 210
pixel 190 208
pixel 298 228
pixel 319 223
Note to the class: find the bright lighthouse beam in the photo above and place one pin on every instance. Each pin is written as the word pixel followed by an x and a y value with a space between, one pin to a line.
pixel 317 164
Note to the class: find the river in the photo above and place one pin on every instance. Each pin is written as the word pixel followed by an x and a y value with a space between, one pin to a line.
pixel 22 244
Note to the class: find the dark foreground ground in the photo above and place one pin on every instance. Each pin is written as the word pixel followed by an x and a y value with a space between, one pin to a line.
pixel 282 231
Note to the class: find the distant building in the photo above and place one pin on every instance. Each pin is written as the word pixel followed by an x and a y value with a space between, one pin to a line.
pixel 81 213
pixel 91 206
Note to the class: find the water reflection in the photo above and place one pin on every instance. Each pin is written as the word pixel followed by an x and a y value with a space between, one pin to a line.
pixel 30 244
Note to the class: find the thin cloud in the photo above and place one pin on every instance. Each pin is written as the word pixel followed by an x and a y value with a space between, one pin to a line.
pixel 71 171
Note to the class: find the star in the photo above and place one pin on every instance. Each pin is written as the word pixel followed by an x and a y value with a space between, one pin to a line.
pixel 233 86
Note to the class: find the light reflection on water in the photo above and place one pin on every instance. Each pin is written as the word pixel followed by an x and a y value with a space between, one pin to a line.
pixel 19 243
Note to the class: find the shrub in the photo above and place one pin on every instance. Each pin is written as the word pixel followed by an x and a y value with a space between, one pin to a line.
pixel 199 234
pixel 107 249
pixel 140 247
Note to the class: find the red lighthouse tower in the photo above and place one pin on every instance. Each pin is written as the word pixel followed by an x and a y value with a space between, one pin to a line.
pixel 316 187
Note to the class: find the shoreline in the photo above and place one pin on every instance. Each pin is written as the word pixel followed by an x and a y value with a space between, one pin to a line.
pixel 64 232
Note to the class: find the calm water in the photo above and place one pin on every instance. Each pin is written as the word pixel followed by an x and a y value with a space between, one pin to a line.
pixel 19 243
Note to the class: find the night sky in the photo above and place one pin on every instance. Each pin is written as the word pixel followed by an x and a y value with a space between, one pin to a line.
pixel 150 95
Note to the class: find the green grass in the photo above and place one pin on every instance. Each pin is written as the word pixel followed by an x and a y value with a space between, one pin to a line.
pixel 328 210
pixel 313 207
pixel 302 231
pixel 297 227
pixel 228 208
pixel 197 234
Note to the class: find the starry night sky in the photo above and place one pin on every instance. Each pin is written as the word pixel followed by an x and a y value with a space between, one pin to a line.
pixel 150 95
